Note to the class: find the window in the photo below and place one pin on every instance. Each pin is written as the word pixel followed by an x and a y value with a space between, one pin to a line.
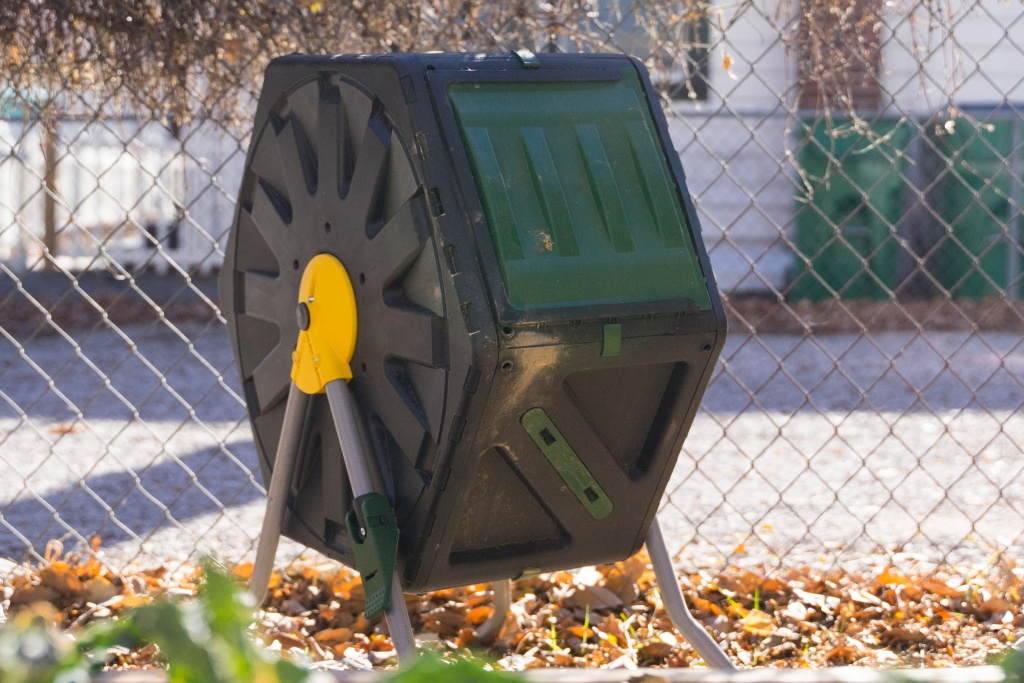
pixel 672 38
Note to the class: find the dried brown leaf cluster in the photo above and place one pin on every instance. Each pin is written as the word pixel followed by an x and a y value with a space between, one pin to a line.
pixel 76 589
pixel 81 588
pixel 613 616
pixel 190 58
pixel 597 616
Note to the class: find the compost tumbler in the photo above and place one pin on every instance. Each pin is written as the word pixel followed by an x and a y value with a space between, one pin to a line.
pixel 537 317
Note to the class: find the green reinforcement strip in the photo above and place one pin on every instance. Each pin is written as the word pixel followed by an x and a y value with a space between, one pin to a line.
pixel 565 461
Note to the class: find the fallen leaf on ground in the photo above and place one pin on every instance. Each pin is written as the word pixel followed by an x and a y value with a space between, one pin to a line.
pixel 593 597
pixel 757 623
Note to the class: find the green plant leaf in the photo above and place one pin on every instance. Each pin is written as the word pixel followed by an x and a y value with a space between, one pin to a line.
pixel 430 669
pixel 209 640
pixel 1012 662
pixel 33 651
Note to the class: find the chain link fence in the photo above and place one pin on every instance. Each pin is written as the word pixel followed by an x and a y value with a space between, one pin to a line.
pixel 858 171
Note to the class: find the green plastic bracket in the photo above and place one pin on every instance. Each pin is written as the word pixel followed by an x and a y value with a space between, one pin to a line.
pixel 612 344
pixel 565 461
pixel 376 550
pixel 527 58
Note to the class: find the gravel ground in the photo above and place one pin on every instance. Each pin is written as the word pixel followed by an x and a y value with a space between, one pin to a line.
pixel 812 449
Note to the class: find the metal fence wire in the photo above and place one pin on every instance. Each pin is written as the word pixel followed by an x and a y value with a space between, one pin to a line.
pixel 857 168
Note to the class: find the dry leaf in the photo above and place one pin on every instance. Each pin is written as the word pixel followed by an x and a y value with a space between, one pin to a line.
pixel 890 576
pixel 99 589
pixel 346 587
pixel 735 609
pixel 900 635
pixel 706 606
pixel 560 659
pixel 655 649
pixel 67 428
pixel 288 642
pixel 479 615
pixel 582 631
pixel 119 603
pixel 29 594
pixel 938 587
pixel 478 599
pixel 593 597
pixel 864 597
pixel 334 636
pixel 986 601
pixel 938 617
pixel 443 621
pixel 757 623
pixel 622 578
pixel 61 578
pixel 847 651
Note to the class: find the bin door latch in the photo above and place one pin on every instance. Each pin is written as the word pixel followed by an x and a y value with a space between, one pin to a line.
pixel 374 533
pixel 527 58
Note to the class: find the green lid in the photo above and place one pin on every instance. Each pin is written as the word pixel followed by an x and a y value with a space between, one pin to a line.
pixel 578 195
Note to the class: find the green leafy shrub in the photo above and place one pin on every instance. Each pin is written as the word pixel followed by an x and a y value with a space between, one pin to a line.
pixel 209 639
pixel 32 650
pixel 205 640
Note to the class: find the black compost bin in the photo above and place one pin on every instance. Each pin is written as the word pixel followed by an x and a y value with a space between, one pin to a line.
pixel 537 318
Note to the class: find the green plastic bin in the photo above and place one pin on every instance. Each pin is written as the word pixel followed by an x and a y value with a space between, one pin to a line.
pixel 972 194
pixel 846 231
pixel 571 227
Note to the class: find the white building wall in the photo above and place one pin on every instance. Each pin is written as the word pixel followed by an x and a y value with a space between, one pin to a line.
pixel 734 148
pixel 983 65
pixel 21 200
pixel 216 161
pixel 115 179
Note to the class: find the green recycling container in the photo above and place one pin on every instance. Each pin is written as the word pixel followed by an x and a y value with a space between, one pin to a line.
pixel 972 196
pixel 845 234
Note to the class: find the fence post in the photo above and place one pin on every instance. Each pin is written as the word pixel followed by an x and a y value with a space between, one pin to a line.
pixel 49 123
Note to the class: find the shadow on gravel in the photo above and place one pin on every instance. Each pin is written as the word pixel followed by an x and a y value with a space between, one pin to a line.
pixel 83 302
pixel 129 505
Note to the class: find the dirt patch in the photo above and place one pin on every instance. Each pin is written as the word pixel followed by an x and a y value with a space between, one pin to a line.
pixel 24 319
pixel 41 304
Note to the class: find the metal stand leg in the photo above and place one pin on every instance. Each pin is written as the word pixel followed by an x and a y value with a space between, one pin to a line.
pixel 358 464
pixel 277 492
pixel 676 607
pixel 502 602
